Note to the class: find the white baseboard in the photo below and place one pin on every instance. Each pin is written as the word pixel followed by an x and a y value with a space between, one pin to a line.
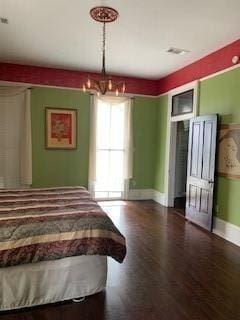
pixel 140 194
pixel 159 197
pixel 226 230
pixel 147 194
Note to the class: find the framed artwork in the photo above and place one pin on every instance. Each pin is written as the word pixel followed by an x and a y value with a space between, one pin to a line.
pixel 61 127
pixel 229 151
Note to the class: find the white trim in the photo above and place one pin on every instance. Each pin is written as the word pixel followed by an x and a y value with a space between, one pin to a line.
pixel 126 189
pixel 220 72
pixel 2 82
pixel 186 87
pixel 169 179
pixel 140 194
pixel 171 164
pixel 167 155
pixel 127 94
pixel 159 197
pixel 147 194
pixel 226 230
pixel 212 75
pixel 162 94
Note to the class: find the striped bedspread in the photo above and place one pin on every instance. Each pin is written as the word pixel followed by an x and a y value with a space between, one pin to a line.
pixel 53 223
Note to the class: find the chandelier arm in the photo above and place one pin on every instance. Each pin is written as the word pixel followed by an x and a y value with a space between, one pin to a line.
pixel 95 84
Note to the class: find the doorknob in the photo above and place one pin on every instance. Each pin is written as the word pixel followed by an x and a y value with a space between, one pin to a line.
pixel 210 181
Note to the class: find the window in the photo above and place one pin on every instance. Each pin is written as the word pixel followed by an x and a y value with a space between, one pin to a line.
pixel 111 147
pixel 182 103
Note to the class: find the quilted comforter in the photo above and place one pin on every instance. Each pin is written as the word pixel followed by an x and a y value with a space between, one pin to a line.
pixel 53 223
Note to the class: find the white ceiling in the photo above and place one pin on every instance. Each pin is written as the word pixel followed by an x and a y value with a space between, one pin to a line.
pixel 60 33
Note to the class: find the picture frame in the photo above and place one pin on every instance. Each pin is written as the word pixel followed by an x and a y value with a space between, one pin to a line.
pixel 61 128
pixel 229 151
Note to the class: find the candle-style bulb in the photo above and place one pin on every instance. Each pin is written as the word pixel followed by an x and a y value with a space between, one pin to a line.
pixel 88 83
pixel 109 84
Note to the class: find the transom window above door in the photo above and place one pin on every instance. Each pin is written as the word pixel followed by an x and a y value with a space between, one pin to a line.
pixel 182 103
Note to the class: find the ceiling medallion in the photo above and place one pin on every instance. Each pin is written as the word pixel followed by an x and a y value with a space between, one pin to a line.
pixel 106 83
pixel 104 14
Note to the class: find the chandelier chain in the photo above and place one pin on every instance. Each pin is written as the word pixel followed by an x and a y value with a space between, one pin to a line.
pixel 103 49
pixel 104 15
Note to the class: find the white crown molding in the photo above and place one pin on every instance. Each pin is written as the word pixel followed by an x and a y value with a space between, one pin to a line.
pixel 203 78
pixel 12 83
pixel 162 94
pixel 220 72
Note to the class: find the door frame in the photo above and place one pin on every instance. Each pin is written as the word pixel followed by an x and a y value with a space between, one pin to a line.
pixel 171 138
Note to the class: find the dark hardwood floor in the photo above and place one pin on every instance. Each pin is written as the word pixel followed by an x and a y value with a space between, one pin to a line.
pixel 179 205
pixel 173 270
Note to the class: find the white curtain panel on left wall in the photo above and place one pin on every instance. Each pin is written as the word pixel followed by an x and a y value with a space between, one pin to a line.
pixel 15 137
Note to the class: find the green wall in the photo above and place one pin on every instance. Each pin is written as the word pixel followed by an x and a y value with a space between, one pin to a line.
pixel 59 167
pixel 162 110
pixel 219 94
pixel 70 167
pixel 144 140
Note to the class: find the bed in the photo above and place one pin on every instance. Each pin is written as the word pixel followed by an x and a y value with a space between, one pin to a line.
pixel 54 244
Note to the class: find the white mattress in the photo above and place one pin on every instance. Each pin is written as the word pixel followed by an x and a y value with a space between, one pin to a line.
pixel 51 281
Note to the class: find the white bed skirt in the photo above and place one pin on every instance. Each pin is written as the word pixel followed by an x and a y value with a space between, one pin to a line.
pixel 51 281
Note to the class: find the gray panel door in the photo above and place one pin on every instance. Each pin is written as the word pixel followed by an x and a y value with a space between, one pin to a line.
pixel 201 170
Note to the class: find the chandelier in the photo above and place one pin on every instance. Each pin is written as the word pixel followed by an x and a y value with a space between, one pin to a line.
pixel 105 83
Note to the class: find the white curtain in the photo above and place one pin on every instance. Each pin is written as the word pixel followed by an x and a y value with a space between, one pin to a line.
pixel 93 146
pixel 128 159
pixel 15 137
pixel 128 138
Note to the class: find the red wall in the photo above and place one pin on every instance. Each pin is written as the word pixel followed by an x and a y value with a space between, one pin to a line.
pixel 68 78
pixel 214 62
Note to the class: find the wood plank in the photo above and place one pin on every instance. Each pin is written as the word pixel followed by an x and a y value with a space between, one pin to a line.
pixel 173 270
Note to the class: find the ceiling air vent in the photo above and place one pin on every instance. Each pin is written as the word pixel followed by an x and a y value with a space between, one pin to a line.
pixel 177 51
pixel 3 20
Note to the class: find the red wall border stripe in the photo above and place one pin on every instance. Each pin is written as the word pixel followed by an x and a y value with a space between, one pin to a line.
pixel 68 78
pixel 212 63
